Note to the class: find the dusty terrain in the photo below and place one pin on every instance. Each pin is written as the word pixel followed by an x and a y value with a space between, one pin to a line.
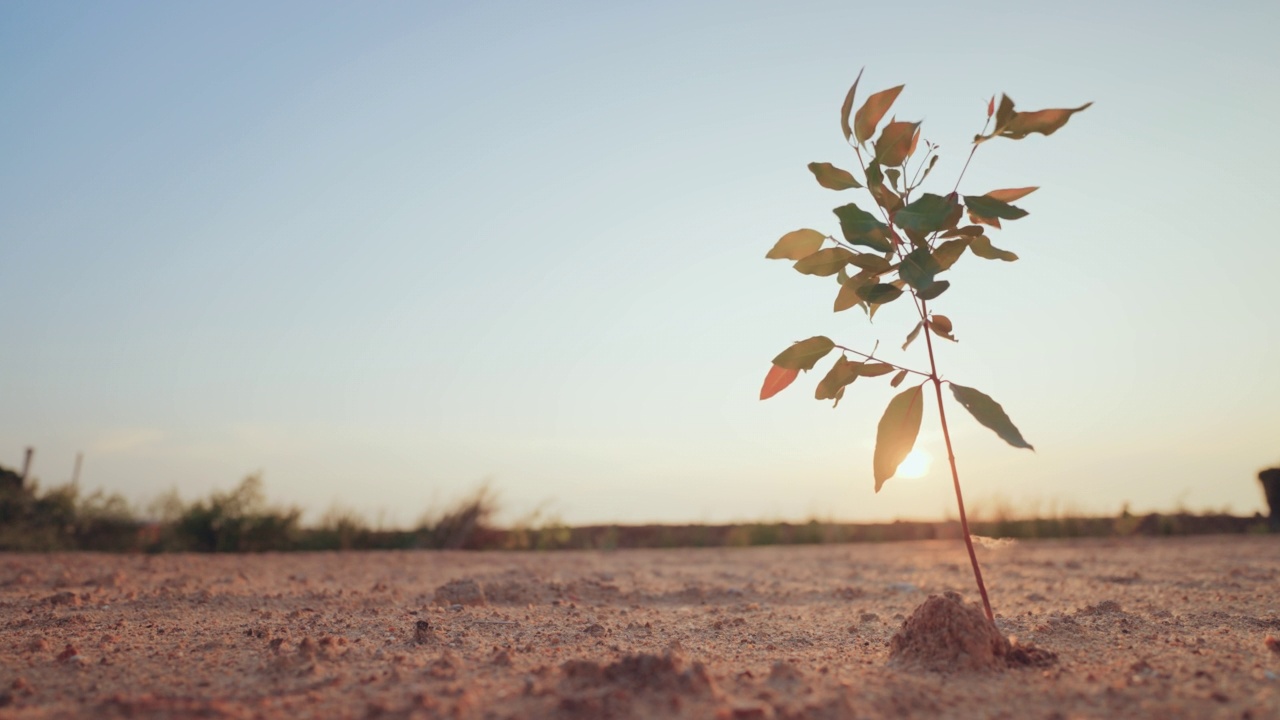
pixel 1167 628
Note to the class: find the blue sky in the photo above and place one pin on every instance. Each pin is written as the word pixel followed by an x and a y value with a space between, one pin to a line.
pixel 381 253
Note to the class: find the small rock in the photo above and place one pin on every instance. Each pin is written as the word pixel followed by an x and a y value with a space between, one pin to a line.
pixel 422 633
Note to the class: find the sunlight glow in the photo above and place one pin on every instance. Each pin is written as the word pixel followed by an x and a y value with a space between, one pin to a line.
pixel 914 465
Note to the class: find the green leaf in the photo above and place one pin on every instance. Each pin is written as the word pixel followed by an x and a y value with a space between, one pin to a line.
pixel 847 108
pixel 841 374
pixel 824 262
pixel 872 308
pixel 934 290
pixel 897 379
pixel 870 263
pixel 777 380
pixel 966 231
pixel 880 293
pixel 926 214
pixel 804 354
pixel 988 207
pixel 989 413
pixel 896 142
pixel 862 228
pixel 833 178
pixel 918 268
pixel 872 112
pixel 796 245
pixel 915 332
pixel 896 434
pixel 893 174
pixel 875 369
pixel 948 252
pixel 982 247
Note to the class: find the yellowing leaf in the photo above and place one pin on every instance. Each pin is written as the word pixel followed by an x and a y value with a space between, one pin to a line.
pixel 804 354
pixel 894 144
pixel 777 380
pixel 847 108
pixel 848 295
pixel 870 263
pixel 1008 195
pixel 833 178
pixel 911 336
pixel 824 262
pixel 897 431
pixel 872 112
pixel 875 369
pixel 989 413
pixel 897 379
pixel 948 252
pixel 982 247
pixel 796 245
pixel 842 373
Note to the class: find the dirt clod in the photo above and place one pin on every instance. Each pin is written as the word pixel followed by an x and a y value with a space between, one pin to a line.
pixel 460 592
pixel 947 634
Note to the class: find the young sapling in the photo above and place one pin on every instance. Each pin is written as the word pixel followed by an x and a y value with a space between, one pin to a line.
pixel 898 251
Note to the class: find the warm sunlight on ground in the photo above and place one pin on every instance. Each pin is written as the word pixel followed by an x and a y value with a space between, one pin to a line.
pixel 914 465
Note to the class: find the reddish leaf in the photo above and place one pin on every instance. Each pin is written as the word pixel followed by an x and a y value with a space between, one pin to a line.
pixel 777 380
pixel 872 112
pixel 847 107
pixel 1045 122
pixel 991 107
pixel 1008 195
pixel 895 142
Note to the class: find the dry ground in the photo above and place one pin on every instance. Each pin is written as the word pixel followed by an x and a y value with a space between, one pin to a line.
pixel 1143 628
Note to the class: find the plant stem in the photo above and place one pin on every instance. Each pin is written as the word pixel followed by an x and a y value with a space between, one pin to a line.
pixel 955 474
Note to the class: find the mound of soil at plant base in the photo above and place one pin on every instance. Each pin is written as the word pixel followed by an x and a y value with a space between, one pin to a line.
pixel 1180 628
pixel 945 634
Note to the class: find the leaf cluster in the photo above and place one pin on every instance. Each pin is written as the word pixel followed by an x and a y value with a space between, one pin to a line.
pixel 900 245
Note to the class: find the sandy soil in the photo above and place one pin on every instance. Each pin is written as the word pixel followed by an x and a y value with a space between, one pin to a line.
pixel 1175 628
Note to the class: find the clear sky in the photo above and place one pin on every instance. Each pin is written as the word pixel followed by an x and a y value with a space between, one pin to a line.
pixel 381 252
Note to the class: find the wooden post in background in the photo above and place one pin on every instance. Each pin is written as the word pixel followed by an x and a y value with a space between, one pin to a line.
pixel 26 464
pixel 75 474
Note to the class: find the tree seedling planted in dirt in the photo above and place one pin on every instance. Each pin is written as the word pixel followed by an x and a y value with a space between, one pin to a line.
pixel 899 251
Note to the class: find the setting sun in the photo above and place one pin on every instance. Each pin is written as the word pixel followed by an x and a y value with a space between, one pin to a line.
pixel 914 465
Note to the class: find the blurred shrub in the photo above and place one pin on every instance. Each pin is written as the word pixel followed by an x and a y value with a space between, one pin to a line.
pixel 237 521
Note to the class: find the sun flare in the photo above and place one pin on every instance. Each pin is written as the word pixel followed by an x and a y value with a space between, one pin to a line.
pixel 914 465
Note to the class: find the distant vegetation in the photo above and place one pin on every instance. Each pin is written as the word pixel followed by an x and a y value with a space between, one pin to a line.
pixel 242 520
